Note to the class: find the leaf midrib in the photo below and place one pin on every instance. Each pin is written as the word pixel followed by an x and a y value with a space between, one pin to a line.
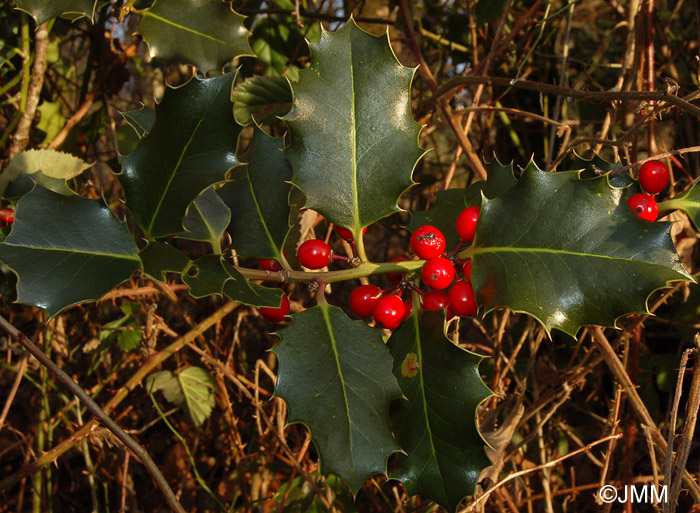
pixel 508 249
pixel 124 256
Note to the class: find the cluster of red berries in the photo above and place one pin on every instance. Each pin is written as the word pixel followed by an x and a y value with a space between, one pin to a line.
pixel 653 177
pixel 438 273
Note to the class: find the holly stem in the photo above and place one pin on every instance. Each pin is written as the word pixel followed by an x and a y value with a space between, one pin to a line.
pixel 360 246
pixel 363 270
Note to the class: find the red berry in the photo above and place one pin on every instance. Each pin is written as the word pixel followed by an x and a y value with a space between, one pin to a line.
pixel 427 242
pixel 395 277
pixel 653 176
pixel 346 234
pixel 269 264
pixel 276 314
pixel 435 300
pixel 466 223
pixel 363 300
pixel 7 215
pixel 407 308
pixel 467 269
pixel 314 254
pixel 462 298
pixel 644 206
pixel 437 273
pixel 389 311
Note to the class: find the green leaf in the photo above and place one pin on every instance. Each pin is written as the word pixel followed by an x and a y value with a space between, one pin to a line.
pixel 190 147
pixel 450 203
pixel 191 389
pixel 159 258
pixel 45 10
pixel 138 124
pixel 66 250
pixel 261 98
pixel 51 120
pixel 211 274
pixel 688 202
pixel 338 382
pixel 569 252
pixel 48 168
pixel 435 423
pixel 258 196
pixel 206 220
pixel 276 43
pixel 354 142
pixel 205 33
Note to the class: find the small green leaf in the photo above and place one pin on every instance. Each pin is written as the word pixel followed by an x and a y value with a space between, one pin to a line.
pixel 159 258
pixel 688 202
pixel 355 155
pixel 258 196
pixel 48 168
pixel 569 252
pixel 276 42
pixel 45 10
pixel 66 250
pixel 191 389
pixel 206 276
pixel 190 147
pixel 237 288
pixel 435 423
pixel 206 220
pixel 335 375
pixel 261 99
pixel 205 33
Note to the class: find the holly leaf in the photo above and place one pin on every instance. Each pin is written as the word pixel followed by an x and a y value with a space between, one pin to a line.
pixel 261 99
pixel 338 383
pixel 435 423
pixel 258 196
pixel 355 155
pixel 45 10
pixel 191 390
pixel 569 252
pixel 688 202
pixel 207 218
pixel 48 168
pixel 205 33
pixel 211 274
pixel 597 166
pixel 450 203
pixel 190 147
pixel 159 258
pixel 66 250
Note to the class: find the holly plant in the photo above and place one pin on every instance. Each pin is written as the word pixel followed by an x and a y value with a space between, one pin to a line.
pixel 374 377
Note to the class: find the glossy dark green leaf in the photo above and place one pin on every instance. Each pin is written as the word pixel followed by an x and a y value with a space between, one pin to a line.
pixel 45 10
pixel 206 220
pixel 212 275
pixel 258 196
pixel 435 423
pixel 67 250
pixel 191 389
pixel 159 258
pixel 205 33
pixel 261 98
pixel 569 252
pixel 190 147
pixel 688 202
pixel 354 141
pixel 335 375
pixel 48 168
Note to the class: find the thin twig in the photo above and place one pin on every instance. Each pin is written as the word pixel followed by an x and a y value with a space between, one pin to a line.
pixel 13 390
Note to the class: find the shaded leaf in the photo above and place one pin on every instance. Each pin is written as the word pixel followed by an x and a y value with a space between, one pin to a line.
pixel 569 252
pixel 190 147
pixel 207 218
pixel 51 120
pixel 48 168
pixel 435 423
pixel 261 98
pixel 276 42
pixel 205 33
pixel 45 10
pixel 688 202
pixel 206 276
pixel 67 250
pixel 191 389
pixel 597 166
pixel 138 124
pixel 338 382
pixel 355 155
pixel 159 258
pixel 258 196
